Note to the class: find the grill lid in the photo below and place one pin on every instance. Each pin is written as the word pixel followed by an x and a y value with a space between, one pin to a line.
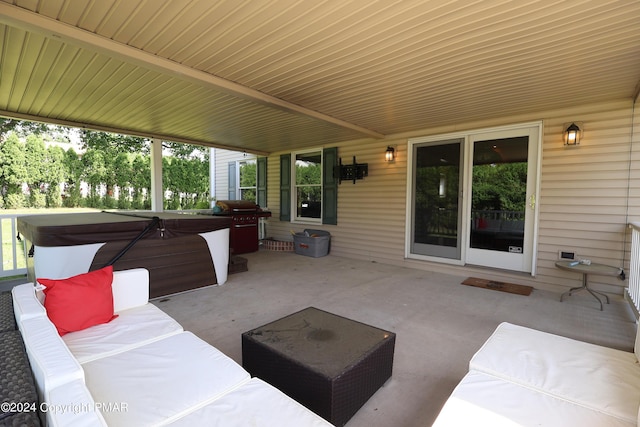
pixel 231 206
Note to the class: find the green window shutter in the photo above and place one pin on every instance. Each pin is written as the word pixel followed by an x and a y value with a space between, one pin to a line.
pixel 285 187
pixel 232 181
pixel 329 186
pixel 261 181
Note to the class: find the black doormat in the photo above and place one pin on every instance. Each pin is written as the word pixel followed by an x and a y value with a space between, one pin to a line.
pixel 511 288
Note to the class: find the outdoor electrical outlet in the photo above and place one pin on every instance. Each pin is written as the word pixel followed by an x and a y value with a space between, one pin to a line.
pixel 566 255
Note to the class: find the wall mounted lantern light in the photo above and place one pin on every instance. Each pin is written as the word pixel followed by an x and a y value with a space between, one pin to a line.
pixel 572 134
pixel 390 154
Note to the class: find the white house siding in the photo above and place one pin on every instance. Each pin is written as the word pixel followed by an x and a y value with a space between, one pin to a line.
pixel 584 193
pixel 582 198
pixel 223 157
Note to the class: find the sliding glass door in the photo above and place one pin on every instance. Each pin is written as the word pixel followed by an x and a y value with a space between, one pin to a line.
pixel 503 177
pixel 473 198
pixel 436 201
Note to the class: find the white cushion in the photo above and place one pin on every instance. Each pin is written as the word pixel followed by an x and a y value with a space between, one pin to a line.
pixel 255 404
pixel 163 380
pixel 132 328
pixel 130 288
pixel 600 378
pixel 51 361
pixel 71 404
pixel 26 304
pixel 484 400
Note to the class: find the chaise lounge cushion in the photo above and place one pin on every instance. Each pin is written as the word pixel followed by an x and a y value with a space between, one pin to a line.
pixel 599 378
pixel 81 301
pixel 485 400
pixel 255 404
pixel 162 381
pixel 133 327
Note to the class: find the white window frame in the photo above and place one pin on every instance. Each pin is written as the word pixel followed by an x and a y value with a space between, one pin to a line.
pixel 238 187
pixel 294 189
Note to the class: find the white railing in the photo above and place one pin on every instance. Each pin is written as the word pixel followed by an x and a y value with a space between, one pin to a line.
pixel 633 291
pixel 12 260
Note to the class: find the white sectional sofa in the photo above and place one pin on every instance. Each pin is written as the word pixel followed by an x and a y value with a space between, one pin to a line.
pixel 524 377
pixel 142 369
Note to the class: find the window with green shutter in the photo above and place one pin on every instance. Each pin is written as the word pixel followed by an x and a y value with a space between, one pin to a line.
pixel 308 186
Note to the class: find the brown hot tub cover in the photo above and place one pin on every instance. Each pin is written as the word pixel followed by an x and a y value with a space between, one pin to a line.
pixel 177 258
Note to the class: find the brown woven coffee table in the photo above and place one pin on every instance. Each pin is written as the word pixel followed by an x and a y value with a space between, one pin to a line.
pixel 330 364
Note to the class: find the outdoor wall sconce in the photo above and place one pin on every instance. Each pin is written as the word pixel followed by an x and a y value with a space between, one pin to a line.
pixel 390 154
pixel 572 134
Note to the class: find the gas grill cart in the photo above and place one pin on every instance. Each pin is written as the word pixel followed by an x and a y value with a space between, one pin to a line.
pixel 244 216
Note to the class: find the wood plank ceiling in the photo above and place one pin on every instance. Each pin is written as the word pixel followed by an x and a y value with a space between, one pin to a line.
pixel 271 75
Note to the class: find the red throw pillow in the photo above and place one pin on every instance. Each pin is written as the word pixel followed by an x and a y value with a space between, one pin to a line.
pixel 81 301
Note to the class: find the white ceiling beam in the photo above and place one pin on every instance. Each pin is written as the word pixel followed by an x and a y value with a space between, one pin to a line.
pixel 21 18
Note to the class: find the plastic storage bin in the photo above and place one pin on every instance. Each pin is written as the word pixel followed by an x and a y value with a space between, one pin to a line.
pixel 313 243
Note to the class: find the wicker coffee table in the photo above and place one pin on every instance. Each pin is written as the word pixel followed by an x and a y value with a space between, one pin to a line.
pixel 330 364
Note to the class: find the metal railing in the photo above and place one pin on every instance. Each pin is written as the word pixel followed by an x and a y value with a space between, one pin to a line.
pixel 633 291
pixel 12 259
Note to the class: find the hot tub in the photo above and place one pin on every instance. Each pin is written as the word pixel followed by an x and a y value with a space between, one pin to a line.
pixel 181 251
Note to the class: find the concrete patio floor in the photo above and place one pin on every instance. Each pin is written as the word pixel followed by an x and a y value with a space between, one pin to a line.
pixel 439 322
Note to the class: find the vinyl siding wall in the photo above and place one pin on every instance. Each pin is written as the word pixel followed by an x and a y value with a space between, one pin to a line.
pixel 223 157
pixel 587 195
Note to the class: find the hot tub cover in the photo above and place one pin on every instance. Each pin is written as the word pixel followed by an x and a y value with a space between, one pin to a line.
pixel 181 252
pixel 98 227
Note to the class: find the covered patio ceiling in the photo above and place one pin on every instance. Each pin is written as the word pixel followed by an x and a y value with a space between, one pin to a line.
pixel 271 75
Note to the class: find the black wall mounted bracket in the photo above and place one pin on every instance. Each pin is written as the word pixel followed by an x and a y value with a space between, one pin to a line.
pixel 353 171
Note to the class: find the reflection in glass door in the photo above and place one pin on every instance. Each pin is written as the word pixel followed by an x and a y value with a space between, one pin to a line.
pixel 436 202
pixel 498 198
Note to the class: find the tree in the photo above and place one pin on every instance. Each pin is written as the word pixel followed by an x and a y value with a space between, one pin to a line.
pixel 73 172
pixel 110 144
pixel 500 187
pixel 248 177
pixel 202 184
pixel 185 151
pixel 35 165
pixel 141 181
pixel 186 176
pixel 170 178
pixel 94 173
pixel 21 127
pixel 123 176
pixel 54 175
pixel 308 180
pixel 110 161
pixel 12 171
